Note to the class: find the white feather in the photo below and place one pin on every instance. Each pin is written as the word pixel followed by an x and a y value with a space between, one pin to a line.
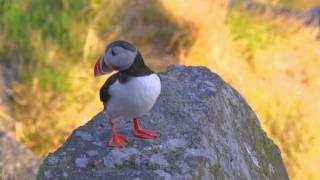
pixel 133 98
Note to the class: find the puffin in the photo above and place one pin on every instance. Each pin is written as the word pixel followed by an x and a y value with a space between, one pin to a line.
pixel 130 92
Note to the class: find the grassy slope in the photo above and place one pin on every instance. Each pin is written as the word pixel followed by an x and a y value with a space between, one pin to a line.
pixel 273 63
pixel 49 38
pixel 55 43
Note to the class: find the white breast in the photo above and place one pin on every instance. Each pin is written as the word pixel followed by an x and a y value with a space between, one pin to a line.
pixel 134 97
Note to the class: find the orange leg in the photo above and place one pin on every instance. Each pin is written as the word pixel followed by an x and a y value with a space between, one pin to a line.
pixel 117 140
pixel 143 133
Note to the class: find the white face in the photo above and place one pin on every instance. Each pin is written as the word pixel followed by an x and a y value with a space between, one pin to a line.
pixel 118 55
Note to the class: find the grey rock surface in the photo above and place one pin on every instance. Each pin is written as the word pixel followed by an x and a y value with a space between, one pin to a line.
pixel 16 161
pixel 207 132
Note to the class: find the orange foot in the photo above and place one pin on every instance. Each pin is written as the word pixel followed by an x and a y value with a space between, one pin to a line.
pixel 117 140
pixel 143 133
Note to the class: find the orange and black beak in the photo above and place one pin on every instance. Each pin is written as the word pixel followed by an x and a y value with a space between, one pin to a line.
pixel 101 68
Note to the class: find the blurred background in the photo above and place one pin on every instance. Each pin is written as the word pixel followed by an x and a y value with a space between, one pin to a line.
pixel 269 50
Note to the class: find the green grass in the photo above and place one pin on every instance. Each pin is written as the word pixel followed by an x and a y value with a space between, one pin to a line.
pixel 51 18
pixel 253 33
pixel 35 25
pixel 55 43
pixel 30 30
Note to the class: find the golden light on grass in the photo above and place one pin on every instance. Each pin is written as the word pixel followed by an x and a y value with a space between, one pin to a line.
pixel 274 63
pixel 56 115
pixel 58 91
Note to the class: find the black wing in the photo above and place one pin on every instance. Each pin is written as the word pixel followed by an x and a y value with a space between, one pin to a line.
pixel 104 90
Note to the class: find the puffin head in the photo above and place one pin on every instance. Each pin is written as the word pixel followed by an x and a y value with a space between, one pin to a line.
pixel 118 56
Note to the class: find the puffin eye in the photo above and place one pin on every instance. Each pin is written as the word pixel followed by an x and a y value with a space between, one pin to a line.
pixel 113 53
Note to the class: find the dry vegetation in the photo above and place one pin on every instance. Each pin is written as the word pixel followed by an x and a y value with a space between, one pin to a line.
pixel 273 63
pixel 296 4
pixel 54 53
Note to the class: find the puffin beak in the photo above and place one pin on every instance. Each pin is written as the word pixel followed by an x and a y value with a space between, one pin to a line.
pixel 98 68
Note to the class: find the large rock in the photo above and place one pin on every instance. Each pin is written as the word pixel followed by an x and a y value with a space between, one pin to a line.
pixel 207 132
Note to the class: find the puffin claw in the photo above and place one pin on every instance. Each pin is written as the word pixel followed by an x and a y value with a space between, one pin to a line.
pixel 143 133
pixel 117 140
pixel 147 134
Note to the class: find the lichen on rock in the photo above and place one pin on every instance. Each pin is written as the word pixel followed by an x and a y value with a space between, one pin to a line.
pixel 207 131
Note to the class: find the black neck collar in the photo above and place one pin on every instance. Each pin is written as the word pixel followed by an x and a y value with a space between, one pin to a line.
pixel 138 68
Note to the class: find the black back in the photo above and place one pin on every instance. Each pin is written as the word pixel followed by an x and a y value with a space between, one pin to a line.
pixel 138 68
